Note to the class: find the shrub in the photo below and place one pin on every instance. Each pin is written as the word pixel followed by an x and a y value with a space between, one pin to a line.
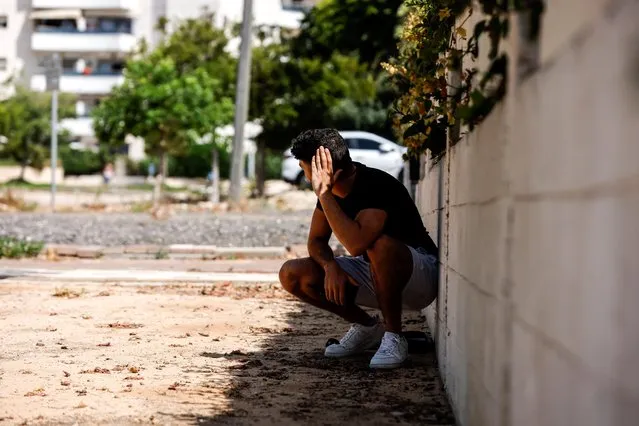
pixel 14 248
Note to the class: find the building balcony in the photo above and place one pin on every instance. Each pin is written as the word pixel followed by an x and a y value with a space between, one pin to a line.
pixel 79 127
pixel 76 41
pixel 94 84
pixel 84 4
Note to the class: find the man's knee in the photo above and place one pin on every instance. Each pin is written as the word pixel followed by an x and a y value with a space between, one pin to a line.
pixel 289 276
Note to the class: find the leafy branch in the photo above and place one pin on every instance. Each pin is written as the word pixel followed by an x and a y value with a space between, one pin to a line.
pixel 438 92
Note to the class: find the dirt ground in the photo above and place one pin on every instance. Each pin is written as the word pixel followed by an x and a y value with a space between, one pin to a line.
pixel 104 353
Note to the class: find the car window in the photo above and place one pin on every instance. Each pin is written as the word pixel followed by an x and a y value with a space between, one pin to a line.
pixel 352 143
pixel 368 144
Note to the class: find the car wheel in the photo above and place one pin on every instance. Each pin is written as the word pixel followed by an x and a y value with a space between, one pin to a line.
pixel 302 182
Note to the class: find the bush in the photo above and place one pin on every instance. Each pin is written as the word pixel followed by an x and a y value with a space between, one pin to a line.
pixel 273 165
pixel 77 162
pixel 195 164
pixel 14 248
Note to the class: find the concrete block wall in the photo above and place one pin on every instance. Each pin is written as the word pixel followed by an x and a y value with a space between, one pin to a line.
pixel 536 213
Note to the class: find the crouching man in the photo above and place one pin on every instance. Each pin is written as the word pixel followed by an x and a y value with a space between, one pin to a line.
pixel 393 262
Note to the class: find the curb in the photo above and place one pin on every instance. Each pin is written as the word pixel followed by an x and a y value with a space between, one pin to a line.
pixel 171 251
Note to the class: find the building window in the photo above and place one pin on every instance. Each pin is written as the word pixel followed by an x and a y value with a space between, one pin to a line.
pixel 3 64
pixel 4 21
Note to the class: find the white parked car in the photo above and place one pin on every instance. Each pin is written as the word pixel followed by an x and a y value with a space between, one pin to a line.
pixel 366 148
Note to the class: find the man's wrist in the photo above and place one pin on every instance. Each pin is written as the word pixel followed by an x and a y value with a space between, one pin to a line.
pixel 324 195
pixel 327 265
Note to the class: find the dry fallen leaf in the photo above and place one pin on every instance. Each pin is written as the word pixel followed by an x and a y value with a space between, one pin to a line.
pixel 86 317
pixel 81 405
pixel 68 293
pixel 203 334
pixel 39 344
pixel 134 369
pixel 96 370
pixel 121 325
pixel 36 392
pixel 66 374
pixel 65 383
pixel 104 344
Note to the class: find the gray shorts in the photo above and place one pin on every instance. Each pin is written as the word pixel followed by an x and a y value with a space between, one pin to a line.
pixel 420 291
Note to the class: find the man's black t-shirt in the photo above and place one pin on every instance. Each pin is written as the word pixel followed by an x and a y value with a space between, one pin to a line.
pixel 375 189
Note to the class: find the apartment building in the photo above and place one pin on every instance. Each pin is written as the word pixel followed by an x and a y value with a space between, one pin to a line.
pixel 93 38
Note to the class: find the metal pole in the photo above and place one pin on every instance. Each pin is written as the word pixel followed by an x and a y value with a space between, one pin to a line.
pixel 241 103
pixel 54 144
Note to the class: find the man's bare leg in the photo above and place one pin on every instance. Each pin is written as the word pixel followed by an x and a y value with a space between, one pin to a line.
pixel 304 278
pixel 392 267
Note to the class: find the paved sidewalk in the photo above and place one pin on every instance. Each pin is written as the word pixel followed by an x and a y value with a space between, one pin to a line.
pixel 186 265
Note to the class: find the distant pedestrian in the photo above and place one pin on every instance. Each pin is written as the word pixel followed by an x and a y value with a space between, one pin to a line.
pixel 151 170
pixel 107 173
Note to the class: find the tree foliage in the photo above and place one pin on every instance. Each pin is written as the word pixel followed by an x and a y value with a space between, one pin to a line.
pixel 364 28
pixel 435 45
pixel 173 94
pixel 167 108
pixel 25 122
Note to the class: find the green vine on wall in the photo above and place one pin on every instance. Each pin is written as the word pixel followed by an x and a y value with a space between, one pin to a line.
pixel 434 43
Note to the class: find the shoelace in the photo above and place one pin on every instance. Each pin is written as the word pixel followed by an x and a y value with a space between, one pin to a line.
pixel 355 328
pixel 388 344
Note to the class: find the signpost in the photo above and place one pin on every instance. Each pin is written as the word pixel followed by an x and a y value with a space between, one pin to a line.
pixel 52 72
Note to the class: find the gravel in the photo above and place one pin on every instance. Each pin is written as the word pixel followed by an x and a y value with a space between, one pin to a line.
pixel 222 230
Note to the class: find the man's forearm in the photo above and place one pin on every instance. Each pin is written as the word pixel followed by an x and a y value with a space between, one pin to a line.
pixel 347 231
pixel 321 252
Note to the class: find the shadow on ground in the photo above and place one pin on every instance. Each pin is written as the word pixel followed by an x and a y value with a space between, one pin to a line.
pixel 289 381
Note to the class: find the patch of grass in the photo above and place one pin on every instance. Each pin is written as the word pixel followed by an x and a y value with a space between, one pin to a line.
pixel 162 254
pixel 15 248
pixel 67 293
pixel 149 187
pixel 141 207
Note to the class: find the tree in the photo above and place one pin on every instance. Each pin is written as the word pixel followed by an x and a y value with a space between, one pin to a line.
pixel 169 109
pixel 194 47
pixel 292 94
pixel 270 84
pixel 365 28
pixel 25 122
pixel 197 43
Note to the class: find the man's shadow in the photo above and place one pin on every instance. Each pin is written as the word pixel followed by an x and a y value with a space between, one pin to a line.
pixel 290 381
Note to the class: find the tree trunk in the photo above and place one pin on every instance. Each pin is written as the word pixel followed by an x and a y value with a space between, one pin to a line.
pixel 159 181
pixel 23 170
pixel 214 196
pixel 260 169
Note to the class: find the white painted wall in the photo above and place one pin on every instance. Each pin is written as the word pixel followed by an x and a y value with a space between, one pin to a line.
pixel 536 214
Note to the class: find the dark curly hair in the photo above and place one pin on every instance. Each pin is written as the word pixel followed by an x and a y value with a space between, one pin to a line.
pixel 306 144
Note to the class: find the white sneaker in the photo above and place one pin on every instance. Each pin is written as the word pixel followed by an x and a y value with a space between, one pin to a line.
pixel 391 353
pixel 358 339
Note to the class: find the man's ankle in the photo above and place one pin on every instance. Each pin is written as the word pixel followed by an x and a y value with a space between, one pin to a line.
pixel 371 321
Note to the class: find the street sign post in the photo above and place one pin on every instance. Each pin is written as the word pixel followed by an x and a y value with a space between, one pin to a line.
pixel 52 72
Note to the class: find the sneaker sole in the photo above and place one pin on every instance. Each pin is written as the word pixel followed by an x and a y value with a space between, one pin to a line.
pixel 376 345
pixel 387 366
